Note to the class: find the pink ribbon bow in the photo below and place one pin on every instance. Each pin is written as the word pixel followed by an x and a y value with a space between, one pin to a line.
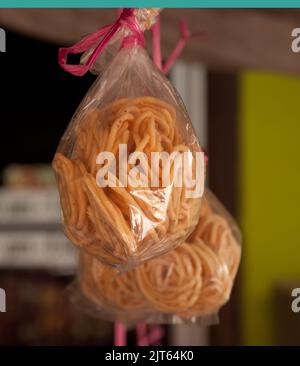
pixel 127 19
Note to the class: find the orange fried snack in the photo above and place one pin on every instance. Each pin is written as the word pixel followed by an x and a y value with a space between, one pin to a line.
pixel 103 286
pixel 194 279
pixel 125 224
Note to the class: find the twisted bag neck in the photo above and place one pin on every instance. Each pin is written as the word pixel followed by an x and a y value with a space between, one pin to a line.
pixel 127 20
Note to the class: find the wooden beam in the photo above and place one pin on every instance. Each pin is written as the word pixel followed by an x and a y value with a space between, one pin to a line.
pixel 236 38
pixel 223 179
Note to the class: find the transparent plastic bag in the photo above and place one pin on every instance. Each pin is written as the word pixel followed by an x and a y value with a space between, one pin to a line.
pixel 99 291
pixel 187 284
pixel 145 18
pixel 118 204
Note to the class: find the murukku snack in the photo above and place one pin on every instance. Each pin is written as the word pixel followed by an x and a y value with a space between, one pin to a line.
pixel 129 167
pixel 193 280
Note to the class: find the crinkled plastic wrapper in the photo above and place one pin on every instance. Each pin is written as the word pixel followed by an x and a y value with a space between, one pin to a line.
pixel 188 284
pixel 145 18
pixel 119 203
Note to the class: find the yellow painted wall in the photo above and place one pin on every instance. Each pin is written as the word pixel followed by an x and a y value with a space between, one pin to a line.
pixel 269 194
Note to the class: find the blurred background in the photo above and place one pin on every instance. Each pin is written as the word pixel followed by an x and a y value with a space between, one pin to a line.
pixel 241 86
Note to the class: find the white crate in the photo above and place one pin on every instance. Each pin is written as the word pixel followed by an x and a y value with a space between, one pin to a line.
pixel 49 250
pixel 29 206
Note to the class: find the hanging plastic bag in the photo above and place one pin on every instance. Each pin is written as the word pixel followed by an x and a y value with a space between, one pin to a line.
pixel 129 167
pixel 187 284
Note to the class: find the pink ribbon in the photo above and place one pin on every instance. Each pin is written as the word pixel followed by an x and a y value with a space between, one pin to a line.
pixel 184 37
pixel 149 337
pixel 120 334
pixel 105 34
pixel 156 47
pixel 146 335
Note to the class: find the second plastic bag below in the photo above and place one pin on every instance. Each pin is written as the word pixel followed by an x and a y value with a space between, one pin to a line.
pixel 188 284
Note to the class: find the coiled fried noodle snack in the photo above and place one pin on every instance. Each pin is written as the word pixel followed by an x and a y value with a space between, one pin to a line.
pixel 125 224
pixel 195 279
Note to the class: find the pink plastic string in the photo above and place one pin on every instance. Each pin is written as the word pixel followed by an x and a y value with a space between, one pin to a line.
pixel 184 37
pixel 141 334
pixel 156 334
pixel 120 334
pixel 156 47
pixel 119 12
pixel 145 336
pixel 149 337
pixel 102 36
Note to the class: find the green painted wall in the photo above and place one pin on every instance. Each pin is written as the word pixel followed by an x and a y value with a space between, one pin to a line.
pixel 269 139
